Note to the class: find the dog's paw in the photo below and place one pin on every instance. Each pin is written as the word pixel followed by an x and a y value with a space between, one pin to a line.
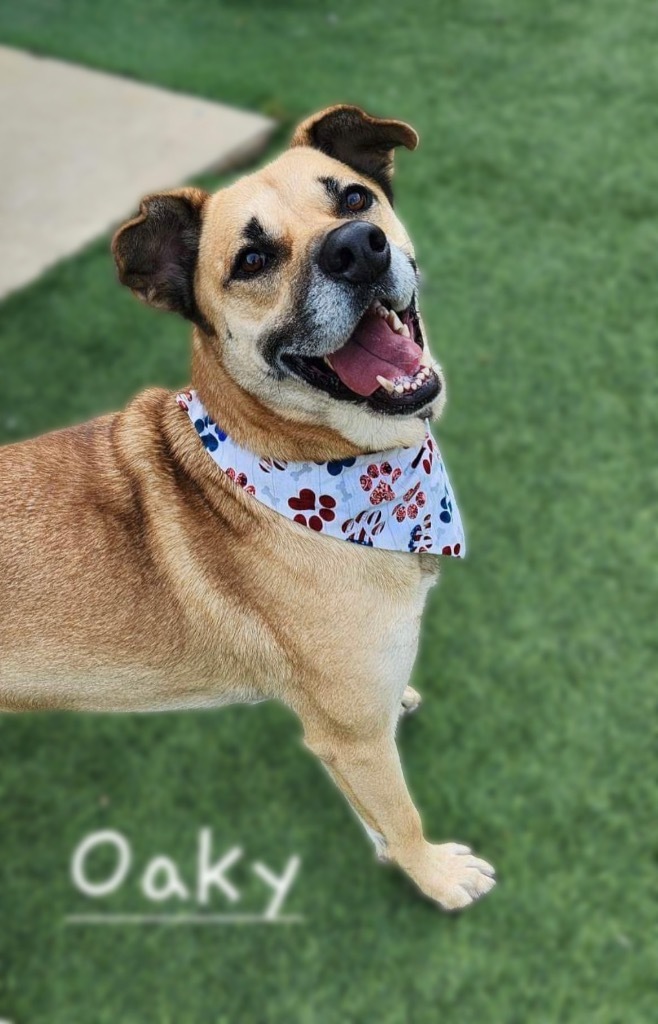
pixel 411 701
pixel 453 876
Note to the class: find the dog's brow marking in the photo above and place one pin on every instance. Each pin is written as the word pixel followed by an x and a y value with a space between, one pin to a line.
pixel 254 232
pixel 332 185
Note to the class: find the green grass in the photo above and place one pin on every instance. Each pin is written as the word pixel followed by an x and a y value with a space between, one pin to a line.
pixel 533 201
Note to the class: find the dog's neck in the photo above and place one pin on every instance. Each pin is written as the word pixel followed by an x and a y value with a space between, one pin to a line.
pixel 254 425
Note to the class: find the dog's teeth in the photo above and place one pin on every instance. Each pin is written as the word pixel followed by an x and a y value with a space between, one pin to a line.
pixel 404 330
pixel 407 386
pixel 414 387
pixel 394 321
pixel 399 389
pixel 388 385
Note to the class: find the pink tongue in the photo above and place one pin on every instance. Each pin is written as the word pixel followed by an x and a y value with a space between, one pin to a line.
pixel 374 349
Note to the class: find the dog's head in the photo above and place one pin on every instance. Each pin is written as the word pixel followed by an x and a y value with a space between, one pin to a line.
pixel 301 280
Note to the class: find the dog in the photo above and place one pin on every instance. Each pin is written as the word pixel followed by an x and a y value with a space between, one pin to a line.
pixel 141 575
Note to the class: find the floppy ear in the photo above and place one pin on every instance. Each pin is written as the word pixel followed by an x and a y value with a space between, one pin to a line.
pixel 355 138
pixel 156 252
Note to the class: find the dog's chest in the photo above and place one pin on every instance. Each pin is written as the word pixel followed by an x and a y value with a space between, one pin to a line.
pixel 345 610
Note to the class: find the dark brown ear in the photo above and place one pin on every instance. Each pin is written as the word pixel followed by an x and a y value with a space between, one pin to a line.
pixel 355 138
pixel 156 252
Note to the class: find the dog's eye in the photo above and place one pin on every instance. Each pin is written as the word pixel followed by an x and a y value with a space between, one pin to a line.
pixel 252 262
pixel 356 199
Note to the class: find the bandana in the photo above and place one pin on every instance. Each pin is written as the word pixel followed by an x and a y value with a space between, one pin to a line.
pixel 400 500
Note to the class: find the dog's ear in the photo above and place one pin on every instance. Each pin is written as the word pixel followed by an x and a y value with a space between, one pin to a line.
pixel 156 252
pixel 355 138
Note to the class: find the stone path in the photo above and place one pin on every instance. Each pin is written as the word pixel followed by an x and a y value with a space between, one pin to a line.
pixel 78 149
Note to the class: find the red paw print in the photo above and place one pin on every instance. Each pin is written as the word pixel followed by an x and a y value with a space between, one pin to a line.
pixel 241 480
pixel 183 399
pixel 426 455
pixel 381 491
pixel 322 507
pixel 364 526
pixel 408 509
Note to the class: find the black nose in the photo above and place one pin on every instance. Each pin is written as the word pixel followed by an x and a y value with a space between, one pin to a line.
pixel 357 252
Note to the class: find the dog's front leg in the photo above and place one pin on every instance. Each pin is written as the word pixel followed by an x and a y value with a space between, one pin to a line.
pixel 369 773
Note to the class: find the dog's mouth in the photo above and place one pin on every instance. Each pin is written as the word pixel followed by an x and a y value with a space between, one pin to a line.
pixel 380 364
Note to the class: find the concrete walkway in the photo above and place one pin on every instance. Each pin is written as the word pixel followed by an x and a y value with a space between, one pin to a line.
pixel 79 148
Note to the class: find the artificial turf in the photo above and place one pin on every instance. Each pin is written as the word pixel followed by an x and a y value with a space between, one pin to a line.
pixel 533 204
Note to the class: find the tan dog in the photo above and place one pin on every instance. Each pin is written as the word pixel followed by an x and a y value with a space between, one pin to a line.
pixel 137 577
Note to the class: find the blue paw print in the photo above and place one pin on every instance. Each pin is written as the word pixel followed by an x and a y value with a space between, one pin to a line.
pixel 446 514
pixel 336 466
pixel 414 537
pixel 209 433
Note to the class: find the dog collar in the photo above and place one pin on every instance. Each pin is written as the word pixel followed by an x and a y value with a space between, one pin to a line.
pixel 400 500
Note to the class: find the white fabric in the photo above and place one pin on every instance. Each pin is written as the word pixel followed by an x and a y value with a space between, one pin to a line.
pixel 400 500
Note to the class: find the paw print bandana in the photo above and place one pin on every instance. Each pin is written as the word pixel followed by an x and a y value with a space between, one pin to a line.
pixel 400 500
